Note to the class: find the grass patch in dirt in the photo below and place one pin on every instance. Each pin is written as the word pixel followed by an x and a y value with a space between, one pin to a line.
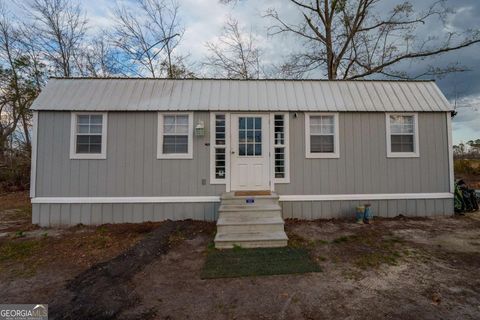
pixel 240 262
pixel 370 249
pixel 17 250
pixel 19 253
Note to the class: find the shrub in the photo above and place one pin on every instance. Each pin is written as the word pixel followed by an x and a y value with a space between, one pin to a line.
pixel 15 171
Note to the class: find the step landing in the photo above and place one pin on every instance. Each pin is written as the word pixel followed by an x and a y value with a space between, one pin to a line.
pixel 250 221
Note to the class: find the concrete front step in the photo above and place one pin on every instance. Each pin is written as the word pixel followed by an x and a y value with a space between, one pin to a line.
pixel 245 223
pixel 250 224
pixel 246 207
pixel 230 199
pixel 251 239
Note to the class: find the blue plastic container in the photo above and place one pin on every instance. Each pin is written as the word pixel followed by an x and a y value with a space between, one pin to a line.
pixel 368 214
pixel 360 215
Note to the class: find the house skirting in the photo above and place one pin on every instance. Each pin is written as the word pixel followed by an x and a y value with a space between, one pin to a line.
pixel 67 211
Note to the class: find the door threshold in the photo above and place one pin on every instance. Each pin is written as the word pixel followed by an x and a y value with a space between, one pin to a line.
pixel 253 193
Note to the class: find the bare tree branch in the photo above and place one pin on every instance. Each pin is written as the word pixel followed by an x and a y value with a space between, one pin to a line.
pixel 150 39
pixel 351 39
pixel 60 26
pixel 234 55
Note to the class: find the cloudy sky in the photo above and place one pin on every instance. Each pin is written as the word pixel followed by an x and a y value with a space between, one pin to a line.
pixel 203 21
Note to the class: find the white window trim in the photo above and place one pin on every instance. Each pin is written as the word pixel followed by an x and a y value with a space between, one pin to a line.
pixel 416 146
pixel 160 154
pixel 336 139
pixel 213 179
pixel 286 117
pixel 73 133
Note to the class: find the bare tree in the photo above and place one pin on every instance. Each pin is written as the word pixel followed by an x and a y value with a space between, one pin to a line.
pixel 234 54
pixel 350 39
pixel 60 27
pixel 18 90
pixel 149 38
pixel 98 57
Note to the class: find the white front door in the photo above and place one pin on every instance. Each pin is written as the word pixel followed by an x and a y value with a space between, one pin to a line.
pixel 250 145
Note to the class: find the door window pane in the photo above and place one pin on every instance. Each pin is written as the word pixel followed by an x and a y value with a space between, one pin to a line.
pixel 250 136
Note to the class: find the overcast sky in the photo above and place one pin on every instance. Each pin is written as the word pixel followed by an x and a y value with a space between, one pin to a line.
pixel 203 20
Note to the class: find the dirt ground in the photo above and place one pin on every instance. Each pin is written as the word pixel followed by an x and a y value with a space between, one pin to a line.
pixel 392 269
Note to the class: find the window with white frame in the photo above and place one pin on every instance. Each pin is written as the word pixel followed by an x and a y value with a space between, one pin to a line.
pixel 402 135
pixel 322 135
pixel 88 139
pixel 175 136
pixel 280 148
pixel 218 144
pixel 220 147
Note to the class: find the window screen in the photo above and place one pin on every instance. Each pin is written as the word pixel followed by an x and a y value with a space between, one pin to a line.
pixel 89 129
pixel 322 134
pixel 175 134
pixel 402 133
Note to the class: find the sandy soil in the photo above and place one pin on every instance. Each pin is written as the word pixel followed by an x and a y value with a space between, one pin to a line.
pixel 394 269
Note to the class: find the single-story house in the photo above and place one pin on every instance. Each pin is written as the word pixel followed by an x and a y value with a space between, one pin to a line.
pixel 119 150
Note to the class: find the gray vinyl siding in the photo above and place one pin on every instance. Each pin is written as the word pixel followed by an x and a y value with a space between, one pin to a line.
pixel 310 210
pixel 100 213
pixel 131 168
pixel 363 166
pixel 46 214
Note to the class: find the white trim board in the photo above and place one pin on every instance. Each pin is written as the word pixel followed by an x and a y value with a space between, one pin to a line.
pixel 450 152
pixel 125 199
pixel 283 198
pixel 33 169
pixel 373 196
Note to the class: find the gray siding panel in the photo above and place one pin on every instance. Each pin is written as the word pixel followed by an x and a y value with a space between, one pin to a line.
pixel 363 167
pixel 310 210
pixel 96 214
pixel 131 167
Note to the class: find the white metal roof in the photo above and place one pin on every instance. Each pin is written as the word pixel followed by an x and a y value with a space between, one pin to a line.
pixel 131 94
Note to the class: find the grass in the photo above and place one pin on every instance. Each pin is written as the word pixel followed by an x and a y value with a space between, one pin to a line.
pixel 19 253
pixel 240 262
pixel 17 250
pixel 370 249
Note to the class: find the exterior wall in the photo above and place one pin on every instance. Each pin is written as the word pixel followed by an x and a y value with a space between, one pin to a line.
pixel 363 166
pixel 133 170
pixel 310 210
pixel 100 213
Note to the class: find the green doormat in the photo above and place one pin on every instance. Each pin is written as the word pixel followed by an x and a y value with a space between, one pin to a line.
pixel 239 262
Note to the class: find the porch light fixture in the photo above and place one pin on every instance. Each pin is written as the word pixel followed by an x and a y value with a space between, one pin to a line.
pixel 200 129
